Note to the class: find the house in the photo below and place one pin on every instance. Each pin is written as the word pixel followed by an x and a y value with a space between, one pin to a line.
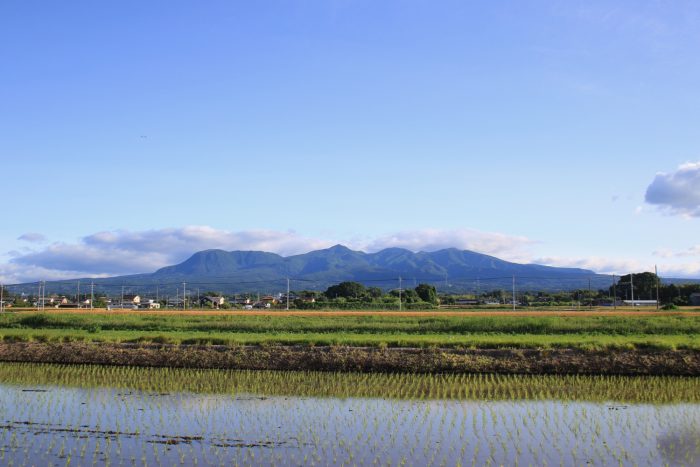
pixel 639 302
pixel 241 301
pixel 132 299
pixel 53 301
pixel 268 300
pixel 174 303
pixel 211 300
pixel 694 299
pixel 150 305
pixel 466 301
pixel 292 296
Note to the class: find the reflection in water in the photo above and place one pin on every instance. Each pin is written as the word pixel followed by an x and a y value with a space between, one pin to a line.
pixel 58 425
pixel 680 446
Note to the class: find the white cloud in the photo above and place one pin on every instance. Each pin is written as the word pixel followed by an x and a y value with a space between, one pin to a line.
pixel 121 252
pixel 14 274
pixel 663 253
pixel 490 243
pixel 677 192
pixel 692 251
pixel 621 266
pixel 126 252
pixel 32 237
pixel 668 253
pixel 602 265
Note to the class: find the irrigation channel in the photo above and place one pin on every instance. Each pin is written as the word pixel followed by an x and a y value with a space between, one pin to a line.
pixel 85 415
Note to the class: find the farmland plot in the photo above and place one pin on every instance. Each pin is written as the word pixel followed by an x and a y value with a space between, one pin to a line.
pixel 51 415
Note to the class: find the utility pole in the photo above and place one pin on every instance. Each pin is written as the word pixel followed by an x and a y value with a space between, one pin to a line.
pixel 399 293
pixel 632 287
pixel 78 299
pixel 121 305
pixel 658 280
pixel 288 294
pixel 184 289
pixel 590 299
pixel 199 302
pixel 614 293
pixel 92 295
pixel 513 292
pixel 38 298
pixel 2 297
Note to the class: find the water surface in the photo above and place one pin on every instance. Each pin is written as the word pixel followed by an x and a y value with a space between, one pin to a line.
pixel 123 416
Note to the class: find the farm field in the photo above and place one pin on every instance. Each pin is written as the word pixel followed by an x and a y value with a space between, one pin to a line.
pixel 552 311
pixel 654 330
pixel 81 414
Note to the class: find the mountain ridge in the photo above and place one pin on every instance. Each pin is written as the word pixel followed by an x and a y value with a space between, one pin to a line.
pixel 324 267
pixel 450 269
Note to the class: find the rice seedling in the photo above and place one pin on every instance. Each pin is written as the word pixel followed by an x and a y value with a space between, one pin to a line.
pixel 90 414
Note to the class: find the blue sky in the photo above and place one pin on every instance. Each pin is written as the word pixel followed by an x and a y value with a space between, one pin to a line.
pixel 136 133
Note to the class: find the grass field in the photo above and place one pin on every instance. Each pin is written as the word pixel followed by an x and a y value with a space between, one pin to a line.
pixel 541 330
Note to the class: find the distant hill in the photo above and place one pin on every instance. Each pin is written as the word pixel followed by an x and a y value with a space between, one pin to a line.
pixel 451 270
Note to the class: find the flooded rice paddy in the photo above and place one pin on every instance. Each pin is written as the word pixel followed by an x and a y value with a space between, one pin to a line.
pixel 85 415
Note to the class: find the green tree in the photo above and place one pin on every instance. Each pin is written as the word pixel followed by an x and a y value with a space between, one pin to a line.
pixel 407 295
pixel 427 293
pixel 374 292
pixel 346 290
pixel 644 286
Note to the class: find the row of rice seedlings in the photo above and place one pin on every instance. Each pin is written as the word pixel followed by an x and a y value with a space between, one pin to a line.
pixel 103 425
pixel 395 386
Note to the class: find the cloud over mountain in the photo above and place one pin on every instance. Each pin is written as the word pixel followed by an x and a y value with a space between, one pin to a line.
pixel 491 243
pixel 126 252
pixel 120 252
pixel 677 192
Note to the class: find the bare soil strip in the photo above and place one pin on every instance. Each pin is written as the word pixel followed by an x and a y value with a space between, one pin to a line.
pixel 364 359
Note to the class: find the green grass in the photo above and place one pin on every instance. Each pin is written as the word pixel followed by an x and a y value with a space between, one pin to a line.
pixel 598 332
pixel 618 325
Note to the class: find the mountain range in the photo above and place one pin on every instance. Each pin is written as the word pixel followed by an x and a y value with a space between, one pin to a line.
pixel 451 270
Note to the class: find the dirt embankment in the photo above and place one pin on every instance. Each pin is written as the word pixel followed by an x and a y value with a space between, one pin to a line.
pixel 367 359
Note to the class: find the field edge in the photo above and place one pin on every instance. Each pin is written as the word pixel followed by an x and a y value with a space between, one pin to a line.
pixel 362 359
